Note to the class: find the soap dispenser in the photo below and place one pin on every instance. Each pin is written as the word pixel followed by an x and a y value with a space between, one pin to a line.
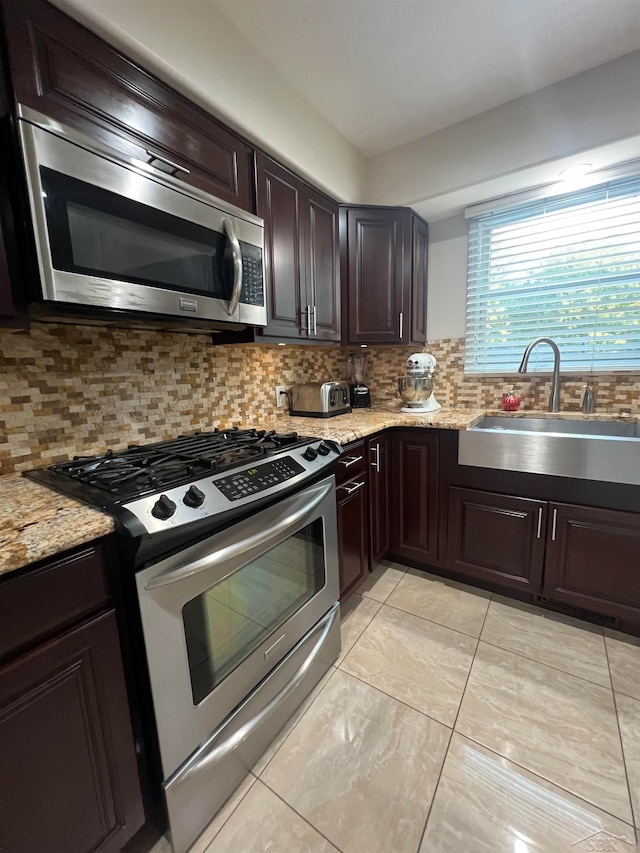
pixel 587 400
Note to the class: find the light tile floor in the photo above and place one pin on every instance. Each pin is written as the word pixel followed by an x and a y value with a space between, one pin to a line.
pixel 453 722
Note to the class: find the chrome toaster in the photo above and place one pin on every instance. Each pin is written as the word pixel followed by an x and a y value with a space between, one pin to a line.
pixel 320 399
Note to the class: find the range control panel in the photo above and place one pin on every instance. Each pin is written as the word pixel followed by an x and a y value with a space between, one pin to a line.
pixel 241 484
pixel 211 496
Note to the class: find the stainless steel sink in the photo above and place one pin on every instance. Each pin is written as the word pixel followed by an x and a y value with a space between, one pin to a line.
pixel 608 451
pixel 564 426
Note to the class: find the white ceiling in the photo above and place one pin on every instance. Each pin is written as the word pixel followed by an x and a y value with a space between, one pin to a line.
pixel 386 72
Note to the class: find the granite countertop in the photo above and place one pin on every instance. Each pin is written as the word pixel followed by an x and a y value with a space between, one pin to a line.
pixel 363 422
pixel 36 522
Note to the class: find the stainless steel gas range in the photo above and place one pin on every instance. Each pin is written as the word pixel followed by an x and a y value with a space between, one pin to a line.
pixel 229 566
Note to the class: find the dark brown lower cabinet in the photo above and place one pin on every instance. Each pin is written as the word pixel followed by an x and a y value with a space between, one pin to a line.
pixel 67 758
pixel 379 458
pixel 353 530
pixel 593 560
pixel 414 490
pixel 496 538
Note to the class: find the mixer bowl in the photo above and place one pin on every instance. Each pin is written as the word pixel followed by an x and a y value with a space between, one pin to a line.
pixel 415 390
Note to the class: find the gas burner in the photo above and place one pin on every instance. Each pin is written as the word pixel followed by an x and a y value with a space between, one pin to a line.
pixel 143 469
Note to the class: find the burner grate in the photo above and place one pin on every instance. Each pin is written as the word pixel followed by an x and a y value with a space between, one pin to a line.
pixel 139 470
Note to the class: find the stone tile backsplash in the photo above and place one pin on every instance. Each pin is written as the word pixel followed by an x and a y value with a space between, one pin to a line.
pixel 79 389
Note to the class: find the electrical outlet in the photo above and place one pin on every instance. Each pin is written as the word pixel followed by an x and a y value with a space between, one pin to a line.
pixel 281 397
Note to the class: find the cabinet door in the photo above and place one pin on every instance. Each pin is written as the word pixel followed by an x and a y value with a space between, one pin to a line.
pixel 420 256
pixel 496 538
pixel 376 265
pixel 66 747
pixel 279 202
pixel 379 497
pixel 323 278
pixel 414 494
pixel 593 560
pixel 353 531
pixel 67 72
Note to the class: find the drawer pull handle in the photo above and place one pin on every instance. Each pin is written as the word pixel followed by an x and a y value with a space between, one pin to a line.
pixel 353 488
pixel 350 460
pixel 539 522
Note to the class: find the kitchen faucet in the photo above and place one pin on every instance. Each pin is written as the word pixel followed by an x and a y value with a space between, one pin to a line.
pixel 554 399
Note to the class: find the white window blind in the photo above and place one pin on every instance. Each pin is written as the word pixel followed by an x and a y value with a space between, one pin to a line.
pixel 567 267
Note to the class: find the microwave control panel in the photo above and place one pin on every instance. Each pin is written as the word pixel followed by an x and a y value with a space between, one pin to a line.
pixel 252 292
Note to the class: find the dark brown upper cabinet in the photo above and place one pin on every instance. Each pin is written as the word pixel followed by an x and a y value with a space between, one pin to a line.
pixel 301 255
pixel 593 560
pixel 62 69
pixel 384 254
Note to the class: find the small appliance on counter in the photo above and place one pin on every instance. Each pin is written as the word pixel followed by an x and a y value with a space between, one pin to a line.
pixel 416 388
pixel 359 393
pixel 320 399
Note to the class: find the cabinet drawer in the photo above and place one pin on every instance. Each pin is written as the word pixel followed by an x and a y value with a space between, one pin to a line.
pixel 38 604
pixel 352 463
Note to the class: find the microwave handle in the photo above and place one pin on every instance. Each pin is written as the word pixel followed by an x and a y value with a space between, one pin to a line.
pixel 237 265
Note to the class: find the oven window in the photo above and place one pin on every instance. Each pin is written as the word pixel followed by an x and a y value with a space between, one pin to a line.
pixel 100 233
pixel 225 624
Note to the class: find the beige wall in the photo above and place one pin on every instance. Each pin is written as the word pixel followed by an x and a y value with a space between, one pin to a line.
pixel 192 45
pixel 588 111
pixel 447 290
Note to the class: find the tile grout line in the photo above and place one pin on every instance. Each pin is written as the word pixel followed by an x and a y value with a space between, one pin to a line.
pixel 232 812
pixel 295 726
pixel 395 698
pixel 301 816
pixel 488 643
pixel 548 781
pixel 453 728
pixel 432 621
pixel 542 663
pixel 635 819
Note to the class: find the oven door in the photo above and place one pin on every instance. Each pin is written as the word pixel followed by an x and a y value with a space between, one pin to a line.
pixel 221 614
pixel 117 233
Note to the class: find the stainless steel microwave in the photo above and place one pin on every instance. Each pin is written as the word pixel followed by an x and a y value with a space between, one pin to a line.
pixel 119 233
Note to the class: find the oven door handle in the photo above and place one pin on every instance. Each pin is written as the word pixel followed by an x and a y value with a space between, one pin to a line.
pixel 227 547
pixel 237 265
pixel 213 751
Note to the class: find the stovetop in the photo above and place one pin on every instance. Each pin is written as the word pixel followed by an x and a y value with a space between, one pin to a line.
pixel 171 484
pixel 143 469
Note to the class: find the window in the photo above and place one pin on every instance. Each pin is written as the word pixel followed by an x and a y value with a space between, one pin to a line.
pixel 567 267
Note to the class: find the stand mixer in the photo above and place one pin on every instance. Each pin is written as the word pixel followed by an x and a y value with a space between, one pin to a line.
pixel 416 388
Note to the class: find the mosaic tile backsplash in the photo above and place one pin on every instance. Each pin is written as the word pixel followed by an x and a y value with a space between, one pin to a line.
pixel 79 389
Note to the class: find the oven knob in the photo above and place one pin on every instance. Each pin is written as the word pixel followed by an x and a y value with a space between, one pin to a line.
pixel 163 508
pixel 324 449
pixel 194 497
pixel 310 454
